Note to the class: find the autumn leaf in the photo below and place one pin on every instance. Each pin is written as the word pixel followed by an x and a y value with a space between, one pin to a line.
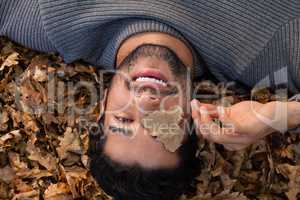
pixel 293 174
pixel 43 158
pixel 3 120
pixel 69 145
pixel 165 126
pixel 7 174
pixel 11 60
pixel 59 191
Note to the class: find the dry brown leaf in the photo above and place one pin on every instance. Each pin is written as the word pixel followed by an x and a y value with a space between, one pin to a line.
pixel 59 191
pixel 8 48
pixel 33 97
pixel 5 191
pixel 48 118
pixel 296 150
pixel 34 173
pixel 83 68
pixel 293 174
pixel 85 161
pixel 76 178
pixel 204 180
pixel 15 116
pixel 287 152
pixel 32 195
pixel 13 135
pixel 219 166
pixel 165 126
pixel 43 158
pixel 222 196
pixel 7 174
pixel 21 186
pixel 29 123
pixel 11 60
pixel 231 196
pixel 16 163
pixel 40 75
pixel 227 182
pixel 70 143
pixel 237 159
pixel 3 120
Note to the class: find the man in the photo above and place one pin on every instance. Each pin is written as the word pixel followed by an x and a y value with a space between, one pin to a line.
pixel 153 46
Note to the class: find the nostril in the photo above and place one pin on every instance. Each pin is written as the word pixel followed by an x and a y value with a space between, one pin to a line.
pixel 153 98
pixel 148 98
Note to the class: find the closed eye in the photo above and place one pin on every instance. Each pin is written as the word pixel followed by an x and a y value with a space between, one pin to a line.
pixel 123 120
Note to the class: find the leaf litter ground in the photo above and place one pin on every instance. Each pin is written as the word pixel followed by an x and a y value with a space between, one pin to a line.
pixel 44 140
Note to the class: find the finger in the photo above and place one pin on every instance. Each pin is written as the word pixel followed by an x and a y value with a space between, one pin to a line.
pixel 208 128
pixel 212 109
pixel 224 114
pixel 195 109
pixel 196 115
pixel 213 132
pixel 226 135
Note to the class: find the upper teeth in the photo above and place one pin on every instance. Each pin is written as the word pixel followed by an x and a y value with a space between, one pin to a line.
pixel 152 80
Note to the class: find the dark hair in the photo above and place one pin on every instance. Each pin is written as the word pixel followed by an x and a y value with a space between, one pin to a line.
pixel 134 182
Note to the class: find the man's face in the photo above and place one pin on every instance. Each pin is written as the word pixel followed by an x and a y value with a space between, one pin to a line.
pixel 139 88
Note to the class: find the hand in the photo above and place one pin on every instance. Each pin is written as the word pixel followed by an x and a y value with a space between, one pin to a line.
pixel 235 127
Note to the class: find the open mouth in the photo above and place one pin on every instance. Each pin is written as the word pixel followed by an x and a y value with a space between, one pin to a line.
pixel 150 73
pixel 153 81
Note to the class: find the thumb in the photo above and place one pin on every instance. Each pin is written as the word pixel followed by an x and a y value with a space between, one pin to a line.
pixel 195 105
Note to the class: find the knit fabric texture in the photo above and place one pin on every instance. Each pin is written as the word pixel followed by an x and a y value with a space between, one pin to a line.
pixel 247 41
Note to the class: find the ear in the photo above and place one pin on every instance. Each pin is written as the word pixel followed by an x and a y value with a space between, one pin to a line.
pixel 103 103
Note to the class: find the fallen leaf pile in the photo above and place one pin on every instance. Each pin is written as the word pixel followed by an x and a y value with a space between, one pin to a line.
pixel 43 150
pixel 47 106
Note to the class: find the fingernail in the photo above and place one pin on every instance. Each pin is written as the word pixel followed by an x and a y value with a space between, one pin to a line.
pixel 194 104
pixel 221 110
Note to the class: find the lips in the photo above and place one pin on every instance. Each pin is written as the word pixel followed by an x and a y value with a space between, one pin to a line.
pixel 150 73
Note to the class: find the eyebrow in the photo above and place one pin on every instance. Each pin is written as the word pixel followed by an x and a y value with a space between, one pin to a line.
pixel 126 132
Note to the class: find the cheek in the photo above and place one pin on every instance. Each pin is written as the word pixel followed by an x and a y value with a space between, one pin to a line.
pixel 118 100
pixel 119 104
pixel 168 102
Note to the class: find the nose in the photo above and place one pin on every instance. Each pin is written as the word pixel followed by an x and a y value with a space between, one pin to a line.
pixel 147 102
